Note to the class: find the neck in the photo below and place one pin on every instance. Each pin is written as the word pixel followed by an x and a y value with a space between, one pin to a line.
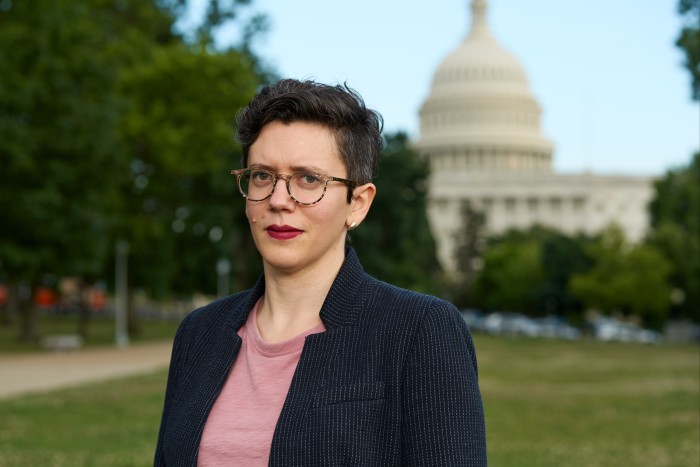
pixel 293 300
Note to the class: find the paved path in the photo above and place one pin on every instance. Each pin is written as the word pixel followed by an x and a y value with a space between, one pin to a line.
pixel 25 373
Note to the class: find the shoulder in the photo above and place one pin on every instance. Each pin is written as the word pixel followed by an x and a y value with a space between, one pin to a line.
pixel 424 323
pixel 401 304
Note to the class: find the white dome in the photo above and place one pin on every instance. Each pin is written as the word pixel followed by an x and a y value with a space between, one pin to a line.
pixel 480 101
pixel 479 65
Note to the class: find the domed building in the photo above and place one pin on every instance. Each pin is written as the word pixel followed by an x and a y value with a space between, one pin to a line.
pixel 480 130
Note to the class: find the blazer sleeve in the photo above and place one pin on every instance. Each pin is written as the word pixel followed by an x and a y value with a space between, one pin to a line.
pixel 176 362
pixel 443 416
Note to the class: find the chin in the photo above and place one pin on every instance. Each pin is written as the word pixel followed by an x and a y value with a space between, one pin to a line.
pixel 297 256
pixel 285 265
pixel 281 258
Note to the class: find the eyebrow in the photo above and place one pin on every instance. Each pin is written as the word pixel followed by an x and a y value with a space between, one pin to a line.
pixel 294 168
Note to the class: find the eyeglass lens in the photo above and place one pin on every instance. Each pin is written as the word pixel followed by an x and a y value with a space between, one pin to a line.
pixel 304 187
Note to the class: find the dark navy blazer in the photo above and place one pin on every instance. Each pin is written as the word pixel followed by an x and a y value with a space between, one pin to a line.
pixel 392 380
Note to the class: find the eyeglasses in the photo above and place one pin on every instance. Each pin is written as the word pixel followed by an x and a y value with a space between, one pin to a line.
pixel 305 188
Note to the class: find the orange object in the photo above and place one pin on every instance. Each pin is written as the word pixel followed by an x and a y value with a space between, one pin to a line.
pixel 45 297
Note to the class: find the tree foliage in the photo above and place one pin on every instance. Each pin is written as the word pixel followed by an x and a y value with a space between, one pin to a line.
pixel 395 242
pixel 511 277
pixel 675 222
pixel 631 279
pixel 540 283
pixel 59 150
pixel 180 200
pixel 470 241
pixel 113 126
pixel 689 41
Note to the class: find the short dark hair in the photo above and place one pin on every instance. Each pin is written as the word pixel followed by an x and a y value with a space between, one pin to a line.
pixel 356 129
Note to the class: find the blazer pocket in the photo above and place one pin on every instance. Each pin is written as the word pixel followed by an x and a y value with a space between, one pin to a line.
pixel 348 393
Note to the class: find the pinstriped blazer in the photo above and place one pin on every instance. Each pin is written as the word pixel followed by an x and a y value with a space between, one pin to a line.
pixel 392 380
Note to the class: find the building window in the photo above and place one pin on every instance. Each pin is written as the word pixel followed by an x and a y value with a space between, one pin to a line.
pixel 555 204
pixel 533 204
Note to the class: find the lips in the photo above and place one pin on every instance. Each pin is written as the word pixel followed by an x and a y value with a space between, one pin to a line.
pixel 283 232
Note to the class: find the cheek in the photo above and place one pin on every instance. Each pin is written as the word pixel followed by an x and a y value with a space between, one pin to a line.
pixel 253 213
pixel 335 215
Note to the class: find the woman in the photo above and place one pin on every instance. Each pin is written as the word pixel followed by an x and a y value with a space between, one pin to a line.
pixel 318 363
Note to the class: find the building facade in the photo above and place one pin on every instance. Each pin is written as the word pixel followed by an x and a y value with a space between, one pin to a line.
pixel 480 130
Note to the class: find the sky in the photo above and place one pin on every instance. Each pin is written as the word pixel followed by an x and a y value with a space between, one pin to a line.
pixel 614 95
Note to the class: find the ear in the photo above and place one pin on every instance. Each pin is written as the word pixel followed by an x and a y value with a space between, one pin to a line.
pixel 363 196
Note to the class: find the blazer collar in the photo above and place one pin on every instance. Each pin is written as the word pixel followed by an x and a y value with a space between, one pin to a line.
pixel 343 302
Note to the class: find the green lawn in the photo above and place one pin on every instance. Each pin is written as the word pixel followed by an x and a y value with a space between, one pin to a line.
pixel 547 404
pixel 107 424
pixel 590 404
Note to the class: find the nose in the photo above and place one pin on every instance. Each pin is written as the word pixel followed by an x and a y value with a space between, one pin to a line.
pixel 280 198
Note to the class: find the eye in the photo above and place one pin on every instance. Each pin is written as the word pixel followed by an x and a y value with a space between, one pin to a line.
pixel 308 179
pixel 260 176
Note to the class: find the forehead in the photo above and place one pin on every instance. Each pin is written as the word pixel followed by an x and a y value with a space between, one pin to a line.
pixel 298 144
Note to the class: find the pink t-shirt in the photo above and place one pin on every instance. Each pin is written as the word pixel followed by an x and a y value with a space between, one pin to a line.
pixel 242 421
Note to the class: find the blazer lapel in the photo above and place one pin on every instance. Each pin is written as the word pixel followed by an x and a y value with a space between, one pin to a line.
pixel 341 308
pixel 210 359
pixel 310 375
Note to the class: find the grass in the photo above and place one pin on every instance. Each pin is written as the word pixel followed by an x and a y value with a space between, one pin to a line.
pixel 589 403
pixel 547 403
pixel 106 424
pixel 100 332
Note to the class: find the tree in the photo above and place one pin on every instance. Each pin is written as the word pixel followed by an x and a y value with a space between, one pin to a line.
pixel 394 242
pixel 675 208
pixel 181 213
pixel 562 256
pixel 180 202
pixel 112 124
pixel 511 277
pixel 57 147
pixel 552 257
pixel 675 231
pixel 689 41
pixel 631 279
pixel 470 241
